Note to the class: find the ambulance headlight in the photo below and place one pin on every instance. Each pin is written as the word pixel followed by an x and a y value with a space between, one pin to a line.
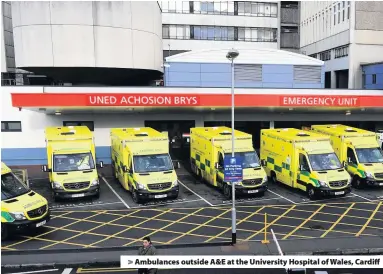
pixel 264 180
pixel 56 185
pixel 175 183
pixel 18 215
pixel 323 183
pixel 369 175
pixel 95 183
pixel 140 186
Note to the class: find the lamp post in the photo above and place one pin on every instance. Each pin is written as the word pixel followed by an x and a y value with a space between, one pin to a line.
pixel 231 55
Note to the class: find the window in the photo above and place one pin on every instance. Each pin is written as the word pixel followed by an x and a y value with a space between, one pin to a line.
pixel 255 9
pixel 89 124
pixel 175 6
pixel 338 13
pixel 175 32
pixel 344 10
pixel 303 164
pixel 341 52
pixel 220 160
pixel 325 55
pixel 348 9
pixel 364 80
pixel 374 79
pixel 334 15
pixel 10 126
pixel 351 156
pixel 165 31
pixel 219 33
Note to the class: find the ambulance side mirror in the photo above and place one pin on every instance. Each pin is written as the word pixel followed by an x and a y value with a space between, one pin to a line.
pixel 176 164
pixel 263 163
pixel 344 164
pixel 44 168
pixel 101 164
pixel 125 169
pixel 349 160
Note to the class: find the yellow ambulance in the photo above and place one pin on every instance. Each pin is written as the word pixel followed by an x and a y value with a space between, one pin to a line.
pixel 71 162
pixel 208 148
pixel 142 164
pixel 304 160
pixel 359 150
pixel 21 208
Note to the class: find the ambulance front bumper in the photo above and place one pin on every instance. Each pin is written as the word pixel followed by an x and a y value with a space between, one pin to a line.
pixel 63 194
pixel 326 191
pixel 374 182
pixel 171 193
pixel 241 190
pixel 26 225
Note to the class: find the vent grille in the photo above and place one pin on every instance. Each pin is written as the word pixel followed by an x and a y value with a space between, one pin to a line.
pixel 159 186
pixel 338 183
pixel 303 74
pixel 379 175
pixel 252 182
pixel 76 186
pixel 38 212
pixel 248 73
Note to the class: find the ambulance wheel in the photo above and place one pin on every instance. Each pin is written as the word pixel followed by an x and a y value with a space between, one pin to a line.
pixel 227 191
pixel 310 192
pixel 274 177
pixel 4 232
pixel 135 197
pixel 357 182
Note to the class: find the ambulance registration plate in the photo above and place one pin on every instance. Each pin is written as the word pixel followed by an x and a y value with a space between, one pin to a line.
pixel 253 191
pixel 41 223
pixel 78 195
pixel 160 196
pixel 339 193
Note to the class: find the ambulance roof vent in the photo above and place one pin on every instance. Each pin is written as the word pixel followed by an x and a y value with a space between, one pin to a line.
pixel 137 129
pixel 142 134
pixel 303 134
pixel 225 133
pixel 70 126
pixel 350 130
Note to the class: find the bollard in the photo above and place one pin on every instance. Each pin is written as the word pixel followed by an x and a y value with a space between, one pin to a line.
pixel 265 241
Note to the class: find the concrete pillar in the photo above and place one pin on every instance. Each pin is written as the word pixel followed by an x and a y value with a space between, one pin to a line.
pixel 333 79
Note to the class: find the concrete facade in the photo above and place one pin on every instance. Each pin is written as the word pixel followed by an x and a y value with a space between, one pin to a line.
pixel 113 34
pixel 350 32
pixel 257 21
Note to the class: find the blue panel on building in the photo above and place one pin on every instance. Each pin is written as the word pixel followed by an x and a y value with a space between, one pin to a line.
pixel 373 76
pixel 38 156
pixel 215 68
pixel 219 75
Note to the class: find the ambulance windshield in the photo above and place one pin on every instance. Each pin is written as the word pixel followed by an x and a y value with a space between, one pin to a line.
pixel 72 162
pixel 326 161
pixel 250 159
pixel 11 186
pixel 152 163
pixel 369 155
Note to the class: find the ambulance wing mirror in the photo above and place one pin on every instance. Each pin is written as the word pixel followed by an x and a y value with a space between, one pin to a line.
pixel 263 163
pixel 101 164
pixel 176 164
pixel 45 168
pixel 125 169
pixel 217 166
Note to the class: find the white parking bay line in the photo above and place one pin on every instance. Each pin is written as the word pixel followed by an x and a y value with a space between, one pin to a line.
pixel 228 202
pixel 196 194
pixel 118 196
pixel 37 271
pixel 69 207
pixel 364 198
pixel 67 271
pixel 282 197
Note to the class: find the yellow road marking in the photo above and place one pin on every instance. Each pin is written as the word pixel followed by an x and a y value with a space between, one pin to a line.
pixel 303 223
pixel 337 221
pixel 194 229
pixel 172 223
pixel 108 223
pixel 369 220
pixel 273 222
pixel 241 221
pixel 74 236
pixel 37 235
